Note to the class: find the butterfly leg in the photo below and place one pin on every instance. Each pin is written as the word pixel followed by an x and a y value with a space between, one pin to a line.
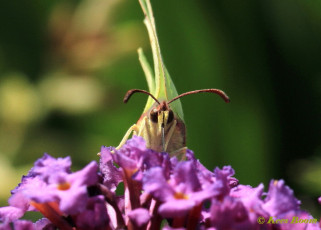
pixel 142 127
pixel 133 128
pixel 179 153
pixel 146 130
pixel 170 134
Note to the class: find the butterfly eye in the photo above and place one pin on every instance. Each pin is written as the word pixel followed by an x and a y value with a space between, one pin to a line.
pixel 170 116
pixel 154 116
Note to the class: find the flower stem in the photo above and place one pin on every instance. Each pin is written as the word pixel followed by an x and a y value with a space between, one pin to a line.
pixel 193 217
pixel 134 189
pixel 110 198
pixel 156 219
pixel 49 211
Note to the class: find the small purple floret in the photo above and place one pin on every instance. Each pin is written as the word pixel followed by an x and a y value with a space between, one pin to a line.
pixel 47 167
pixel 139 217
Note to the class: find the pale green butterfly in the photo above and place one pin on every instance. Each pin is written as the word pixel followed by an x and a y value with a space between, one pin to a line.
pixel 162 123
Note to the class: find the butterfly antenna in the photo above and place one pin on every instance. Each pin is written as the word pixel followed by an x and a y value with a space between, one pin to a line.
pixel 132 91
pixel 216 91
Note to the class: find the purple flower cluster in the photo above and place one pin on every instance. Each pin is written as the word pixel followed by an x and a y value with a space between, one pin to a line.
pixel 159 191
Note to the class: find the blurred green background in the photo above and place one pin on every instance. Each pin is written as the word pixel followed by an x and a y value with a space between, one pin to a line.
pixel 66 65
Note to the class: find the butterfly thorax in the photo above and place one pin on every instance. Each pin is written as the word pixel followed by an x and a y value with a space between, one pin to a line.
pixel 162 129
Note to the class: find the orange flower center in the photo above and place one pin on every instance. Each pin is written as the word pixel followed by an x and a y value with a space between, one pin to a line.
pixel 63 186
pixel 180 196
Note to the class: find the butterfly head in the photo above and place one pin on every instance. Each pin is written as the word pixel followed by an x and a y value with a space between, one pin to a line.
pixel 161 113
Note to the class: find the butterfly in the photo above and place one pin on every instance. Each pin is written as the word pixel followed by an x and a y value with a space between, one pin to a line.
pixel 161 123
